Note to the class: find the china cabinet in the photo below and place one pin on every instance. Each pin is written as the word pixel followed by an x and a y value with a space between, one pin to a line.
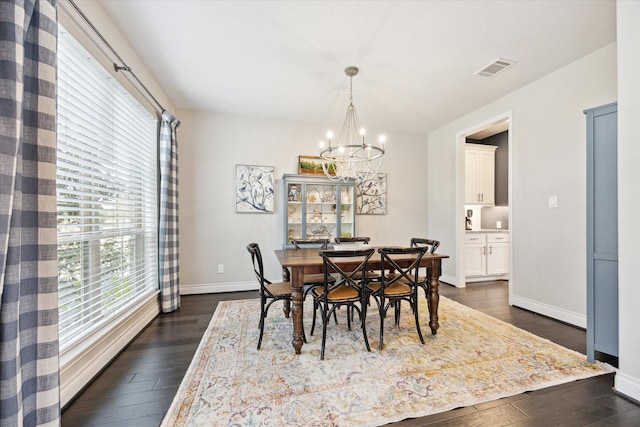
pixel 317 208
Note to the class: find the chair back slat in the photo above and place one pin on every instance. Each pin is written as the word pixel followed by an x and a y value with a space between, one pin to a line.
pixel 361 239
pixel 357 265
pixel 310 243
pixel 258 268
pixel 431 244
pixel 410 272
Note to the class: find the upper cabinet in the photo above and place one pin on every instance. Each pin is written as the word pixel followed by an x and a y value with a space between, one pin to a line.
pixel 318 208
pixel 479 163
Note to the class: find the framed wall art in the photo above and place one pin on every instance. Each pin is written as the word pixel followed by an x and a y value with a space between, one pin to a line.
pixel 371 196
pixel 254 189
pixel 312 165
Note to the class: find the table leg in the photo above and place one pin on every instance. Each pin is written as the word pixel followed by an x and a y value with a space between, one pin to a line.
pixel 296 294
pixel 434 296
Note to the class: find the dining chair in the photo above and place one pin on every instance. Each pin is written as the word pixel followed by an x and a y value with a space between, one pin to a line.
pixel 402 286
pixel 348 290
pixel 317 279
pixel 431 246
pixel 371 274
pixel 270 292
pixel 313 280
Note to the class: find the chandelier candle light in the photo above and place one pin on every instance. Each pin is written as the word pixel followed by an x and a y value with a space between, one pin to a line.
pixel 350 156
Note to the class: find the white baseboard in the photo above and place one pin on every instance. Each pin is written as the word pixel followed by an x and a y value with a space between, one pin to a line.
pixel 450 280
pixel 627 385
pixel 549 310
pixel 212 288
pixel 80 363
pixel 487 278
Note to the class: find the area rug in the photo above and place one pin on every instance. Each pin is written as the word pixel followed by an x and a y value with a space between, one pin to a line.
pixel 474 358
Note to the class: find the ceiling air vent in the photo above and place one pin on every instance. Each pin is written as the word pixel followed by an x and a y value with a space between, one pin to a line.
pixel 495 67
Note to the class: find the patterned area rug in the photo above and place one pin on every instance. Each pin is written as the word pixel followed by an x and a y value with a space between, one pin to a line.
pixel 474 358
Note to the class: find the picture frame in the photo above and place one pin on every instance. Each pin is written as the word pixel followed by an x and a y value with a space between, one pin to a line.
pixel 254 189
pixel 312 165
pixel 371 196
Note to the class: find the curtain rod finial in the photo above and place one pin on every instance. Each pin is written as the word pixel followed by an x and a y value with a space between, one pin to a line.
pixel 121 67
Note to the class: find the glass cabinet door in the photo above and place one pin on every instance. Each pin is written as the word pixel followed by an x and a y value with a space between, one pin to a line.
pixel 321 221
pixel 294 211
pixel 347 211
pixel 317 208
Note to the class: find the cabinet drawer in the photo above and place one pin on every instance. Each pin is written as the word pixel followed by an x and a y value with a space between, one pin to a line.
pixel 475 238
pixel 498 237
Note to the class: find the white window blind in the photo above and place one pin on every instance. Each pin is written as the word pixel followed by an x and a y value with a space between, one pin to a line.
pixel 107 195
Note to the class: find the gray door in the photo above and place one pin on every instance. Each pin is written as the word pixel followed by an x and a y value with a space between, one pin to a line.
pixel 602 231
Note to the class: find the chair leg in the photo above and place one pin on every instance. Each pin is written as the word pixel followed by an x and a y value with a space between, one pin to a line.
pixel 313 322
pixel 382 315
pixel 261 323
pixel 363 315
pixel 415 311
pixel 396 312
pixel 304 336
pixel 324 337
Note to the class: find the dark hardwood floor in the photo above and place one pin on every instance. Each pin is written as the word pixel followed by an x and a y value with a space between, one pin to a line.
pixel 137 388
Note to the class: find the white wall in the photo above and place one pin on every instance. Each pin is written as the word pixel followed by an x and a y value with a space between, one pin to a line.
pixel 548 148
pixel 628 16
pixel 212 233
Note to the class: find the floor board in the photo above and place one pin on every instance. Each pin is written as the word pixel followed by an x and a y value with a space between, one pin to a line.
pixel 137 388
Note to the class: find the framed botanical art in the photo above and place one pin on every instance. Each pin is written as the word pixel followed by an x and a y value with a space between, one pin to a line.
pixel 312 165
pixel 371 196
pixel 254 189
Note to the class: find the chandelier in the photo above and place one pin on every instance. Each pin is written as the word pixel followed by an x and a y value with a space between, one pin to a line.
pixel 350 157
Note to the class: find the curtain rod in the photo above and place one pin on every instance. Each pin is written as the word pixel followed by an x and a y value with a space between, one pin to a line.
pixel 116 67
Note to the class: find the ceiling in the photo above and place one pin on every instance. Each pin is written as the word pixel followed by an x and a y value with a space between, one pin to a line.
pixel 417 59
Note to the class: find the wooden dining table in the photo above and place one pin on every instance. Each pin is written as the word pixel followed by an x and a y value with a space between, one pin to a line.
pixel 308 261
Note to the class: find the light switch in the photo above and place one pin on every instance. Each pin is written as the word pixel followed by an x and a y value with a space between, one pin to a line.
pixel 553 201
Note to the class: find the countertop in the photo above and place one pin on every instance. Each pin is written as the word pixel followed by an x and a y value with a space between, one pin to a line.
pixel 488 230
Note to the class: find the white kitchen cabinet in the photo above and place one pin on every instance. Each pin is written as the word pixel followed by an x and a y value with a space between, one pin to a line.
pixel 475 255
pixel 497 254
pixel 486 256
pixel 480 173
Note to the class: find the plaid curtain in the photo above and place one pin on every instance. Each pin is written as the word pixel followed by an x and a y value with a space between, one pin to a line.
pixel 29 374
pixel 168 226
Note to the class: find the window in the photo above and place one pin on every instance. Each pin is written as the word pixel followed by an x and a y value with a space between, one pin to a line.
pixel 107 195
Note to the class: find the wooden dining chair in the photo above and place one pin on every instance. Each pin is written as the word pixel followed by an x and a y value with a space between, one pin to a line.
pixel 431 246
pixel 402 286
pixel 315 279
pixel 270 292
pixel 348 290
pixel 371 274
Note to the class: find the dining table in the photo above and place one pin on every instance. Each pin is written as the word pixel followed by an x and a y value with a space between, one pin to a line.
pixel 298 262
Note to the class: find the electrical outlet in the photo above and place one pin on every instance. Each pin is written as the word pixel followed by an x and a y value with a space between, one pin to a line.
pixel 220 268
pixel 553 201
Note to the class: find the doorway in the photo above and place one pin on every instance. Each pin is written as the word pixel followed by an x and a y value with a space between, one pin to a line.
pixel 481 131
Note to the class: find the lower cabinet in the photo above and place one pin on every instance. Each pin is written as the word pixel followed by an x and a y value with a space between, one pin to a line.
pixel 486 256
